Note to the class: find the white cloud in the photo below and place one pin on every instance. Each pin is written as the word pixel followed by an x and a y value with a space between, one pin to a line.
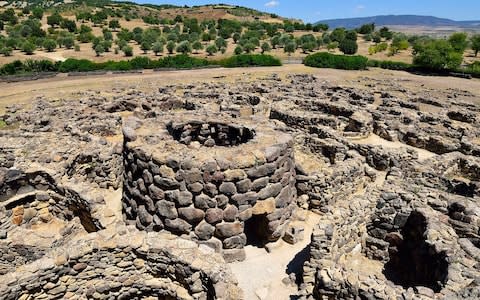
pixel 272 3
pixel 360 7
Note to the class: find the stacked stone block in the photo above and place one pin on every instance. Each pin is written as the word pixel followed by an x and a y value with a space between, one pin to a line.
pixel 210 193
pixel 123 264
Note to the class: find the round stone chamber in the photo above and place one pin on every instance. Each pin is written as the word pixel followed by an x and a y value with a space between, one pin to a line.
pixel 219 180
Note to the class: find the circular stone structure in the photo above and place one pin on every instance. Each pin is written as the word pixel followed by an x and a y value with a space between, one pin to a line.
pixel 223 181
pixel 124 263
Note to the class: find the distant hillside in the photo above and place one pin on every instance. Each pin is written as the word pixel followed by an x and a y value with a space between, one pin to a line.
pixel 201 12
pixel 405 20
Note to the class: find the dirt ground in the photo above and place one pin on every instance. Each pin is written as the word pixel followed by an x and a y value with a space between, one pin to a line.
pixel 62 86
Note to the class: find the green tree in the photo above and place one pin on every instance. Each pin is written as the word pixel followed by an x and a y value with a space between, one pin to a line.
pixel 238 50
pixel 236 37
pixel 107 35
pixel 275 41
pixel 220 42
pixel 69 25
pixel 436 55
pixel 99 49
pixel 348 46
pixel 308 46
pixel 170 47
pixel 28 47
pixel 114 24
pixel 107 45
pixel 85 37
pixel 376 37
pixel 475 42
pixel 127 50
pixel 351 35
pixel 249 47
pixel 6 51
pixel 212 49
pixel 386 33
pixel 68 42
pixel 54 19
pixel 157 47
pixel 184 47
pixel 206 37
pixel 290 47
pixel 266 47
pixel 366 28
pixel 338 34
pixel 332 46
pixel 197 46
pixel 37 13
pixel 459 41
pixel 145 46
pixel 49 45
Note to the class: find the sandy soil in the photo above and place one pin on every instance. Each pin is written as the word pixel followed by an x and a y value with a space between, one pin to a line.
pixel 62 86
pixel 259 278
pixel 375 140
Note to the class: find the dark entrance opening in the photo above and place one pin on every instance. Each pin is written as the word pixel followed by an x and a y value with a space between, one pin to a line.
pixel 256 230
pixel 413 262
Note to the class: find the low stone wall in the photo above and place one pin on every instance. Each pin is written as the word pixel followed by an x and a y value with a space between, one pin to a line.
pixel 122 263
pixel 226 182
pixel 397 241
pixel 34 197
pixel 339 233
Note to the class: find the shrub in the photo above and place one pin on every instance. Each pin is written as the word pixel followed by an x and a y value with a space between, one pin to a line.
pixel 145 46
pixel 68 42
pixel 247 60
pixel 212 49
pixel 170 47
pixel 328 60
pixel 332 46
pixel 127 50
pixel 7 51
pixel 266 47
pixel 49 45
pixel 99 49
pixel 28 47
pixel 475 42
pixel 140 62
pixel 157 47
pixel 184 47
pixel 77 65
pixel 390 65
pixel 197 46
pixel 180 62
pixel 348 46
pixel 436 55
pixel 290 47
pixel 238 50
pixel 458 41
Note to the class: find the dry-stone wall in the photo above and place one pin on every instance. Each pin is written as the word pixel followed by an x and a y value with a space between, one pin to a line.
pixel 226 182
pixel 124 263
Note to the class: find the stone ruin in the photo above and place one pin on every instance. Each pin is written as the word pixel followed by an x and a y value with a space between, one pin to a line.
pixel 149 195
pixel 124 264
pixel 222 181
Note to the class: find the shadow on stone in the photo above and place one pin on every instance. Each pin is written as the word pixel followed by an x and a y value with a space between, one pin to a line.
pixel 414 262
pixel 256 230
pixel 296 264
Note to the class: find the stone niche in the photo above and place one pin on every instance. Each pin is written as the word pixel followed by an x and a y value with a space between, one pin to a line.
pixel 221 181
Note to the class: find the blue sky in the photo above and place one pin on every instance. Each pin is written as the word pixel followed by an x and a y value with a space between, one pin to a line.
pixel 314 10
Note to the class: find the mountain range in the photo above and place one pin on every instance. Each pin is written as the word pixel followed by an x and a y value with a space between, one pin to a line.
pixel 405 20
